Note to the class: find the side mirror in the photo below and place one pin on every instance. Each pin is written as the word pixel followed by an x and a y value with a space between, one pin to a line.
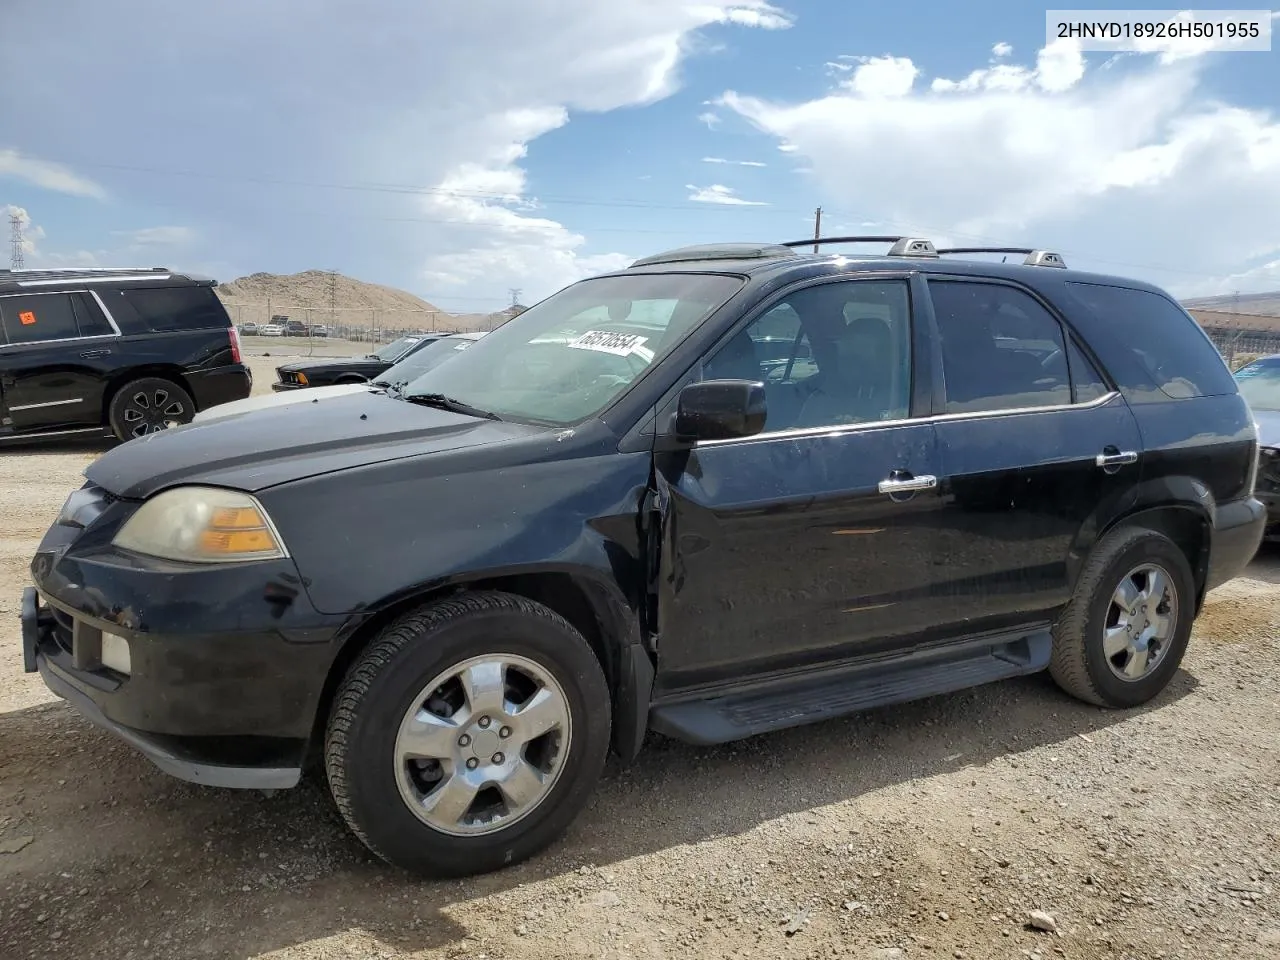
pixel 720 410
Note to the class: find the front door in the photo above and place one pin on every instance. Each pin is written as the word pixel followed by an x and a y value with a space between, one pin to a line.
pixel 1027 417
pixel 812 541
pixel 53 363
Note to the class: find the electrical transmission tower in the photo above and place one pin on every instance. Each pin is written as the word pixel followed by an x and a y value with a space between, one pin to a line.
pixel 515 295
pixel 16 242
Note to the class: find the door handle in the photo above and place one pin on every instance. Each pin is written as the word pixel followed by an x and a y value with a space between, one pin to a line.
pixel 1111 457
pixel 907 484
pixel 90 354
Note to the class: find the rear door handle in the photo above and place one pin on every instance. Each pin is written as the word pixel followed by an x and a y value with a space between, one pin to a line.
pixel 907 484
pixel 90 354
pixel 1111 457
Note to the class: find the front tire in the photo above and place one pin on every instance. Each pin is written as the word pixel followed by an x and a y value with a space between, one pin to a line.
pixel 1123 635
pixel 148 405
pixel 469 735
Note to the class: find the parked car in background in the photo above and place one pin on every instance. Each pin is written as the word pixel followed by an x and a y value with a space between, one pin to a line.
pixel 295 328
pixel 301 374
pixel 120 352
pixel 394 377
pixel 249 329
pixel 319 330
pixel 271 330
pixel 1259 383
pixel 602 519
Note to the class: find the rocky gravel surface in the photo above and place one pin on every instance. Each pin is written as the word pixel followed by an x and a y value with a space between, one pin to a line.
pixel 1004 822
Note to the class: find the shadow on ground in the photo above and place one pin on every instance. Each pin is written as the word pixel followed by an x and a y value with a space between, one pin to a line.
pixel 124 861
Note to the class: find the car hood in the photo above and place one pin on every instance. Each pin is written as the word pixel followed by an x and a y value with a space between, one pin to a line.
pixel 262 402
pixel 335 364
pixel 1268 422
pixel 279 444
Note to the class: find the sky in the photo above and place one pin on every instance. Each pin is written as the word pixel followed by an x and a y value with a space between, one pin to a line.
pixel 463 151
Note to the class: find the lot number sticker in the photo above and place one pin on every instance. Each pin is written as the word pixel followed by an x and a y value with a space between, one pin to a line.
pixel 27 317
pixel 602 341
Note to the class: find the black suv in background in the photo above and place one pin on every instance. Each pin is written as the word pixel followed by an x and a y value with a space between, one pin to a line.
pixel 628 509
pixel 127 351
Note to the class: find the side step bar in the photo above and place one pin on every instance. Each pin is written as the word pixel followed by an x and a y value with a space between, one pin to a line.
pixel 797 701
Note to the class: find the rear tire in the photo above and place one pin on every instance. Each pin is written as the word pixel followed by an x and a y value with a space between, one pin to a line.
pixel 1123 634
pixel 148 405
pixel 469 735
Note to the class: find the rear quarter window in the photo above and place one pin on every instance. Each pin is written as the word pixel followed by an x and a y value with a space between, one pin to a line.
pixel 1168 344
pixel 178 308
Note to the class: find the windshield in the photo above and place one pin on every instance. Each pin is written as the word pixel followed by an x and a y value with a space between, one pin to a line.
pixel 395 349
pixel 428 358
pixel 567 358
pixel 1260 384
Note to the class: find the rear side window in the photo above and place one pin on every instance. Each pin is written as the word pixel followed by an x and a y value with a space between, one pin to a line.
pixel 178 308
pixel 33 317
pixel 89 318
pixel 1001 350
pixel 1179 358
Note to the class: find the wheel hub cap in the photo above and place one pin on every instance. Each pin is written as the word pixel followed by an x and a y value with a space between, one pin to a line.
pixel 1141 620
pixel 482 745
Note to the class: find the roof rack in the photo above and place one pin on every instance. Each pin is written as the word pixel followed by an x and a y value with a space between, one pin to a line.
pixel 1035 258
pixel 718 251
pixel 26 270
pixel 54 276
pixel 902 246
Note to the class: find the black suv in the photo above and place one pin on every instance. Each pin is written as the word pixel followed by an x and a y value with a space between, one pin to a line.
pixel 131 352
pixel 607 517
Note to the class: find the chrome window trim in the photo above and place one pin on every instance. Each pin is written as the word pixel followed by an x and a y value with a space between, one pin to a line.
pixel 838 430
pixel 93 336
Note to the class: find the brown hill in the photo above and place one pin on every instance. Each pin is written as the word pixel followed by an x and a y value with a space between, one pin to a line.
pixel 340 302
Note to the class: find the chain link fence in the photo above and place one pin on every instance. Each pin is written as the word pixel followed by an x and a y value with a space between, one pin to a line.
pixel 360 324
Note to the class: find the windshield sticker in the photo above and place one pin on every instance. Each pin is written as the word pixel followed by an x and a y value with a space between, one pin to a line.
pixel 602 341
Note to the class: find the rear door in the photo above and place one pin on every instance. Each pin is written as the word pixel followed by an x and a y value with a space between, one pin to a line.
pixel 1025 420
pixel 56 357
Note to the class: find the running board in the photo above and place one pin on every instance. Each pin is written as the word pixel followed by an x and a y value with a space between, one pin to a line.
pixel 795 702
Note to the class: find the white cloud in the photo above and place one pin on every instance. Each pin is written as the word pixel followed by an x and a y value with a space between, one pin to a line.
pixel 761 15
pixel 1135 171
pixel 882 77
pixel 710 119
pixel 719 193
pixel 446 101
pixel 31 232
pixel 736 163
pixel 47 175
pixel 1001 50
pixel 157 236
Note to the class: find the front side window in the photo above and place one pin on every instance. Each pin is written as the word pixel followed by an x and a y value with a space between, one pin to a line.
pixel 567 358
pixel 830 354
pixel 31 318
pixel 1001 350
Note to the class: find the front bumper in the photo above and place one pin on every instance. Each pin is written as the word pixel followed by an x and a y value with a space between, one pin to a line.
pixel 280 386
pixel 227 666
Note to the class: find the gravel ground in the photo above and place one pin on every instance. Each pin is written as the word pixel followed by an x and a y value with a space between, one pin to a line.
pixel 930 830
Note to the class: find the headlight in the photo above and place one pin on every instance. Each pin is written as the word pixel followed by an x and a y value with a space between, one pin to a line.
pixel 202 525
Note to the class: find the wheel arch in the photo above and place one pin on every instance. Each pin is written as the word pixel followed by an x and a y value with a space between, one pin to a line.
pixel 595 607
pixel 162 371
pixel 1188 525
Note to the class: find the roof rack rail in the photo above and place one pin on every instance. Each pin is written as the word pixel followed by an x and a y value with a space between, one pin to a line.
pixel 902 246
pixel 717 251
pixel 85 270
pixel 1034 258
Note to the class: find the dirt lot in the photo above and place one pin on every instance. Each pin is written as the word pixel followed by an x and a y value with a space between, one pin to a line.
pixel 922 831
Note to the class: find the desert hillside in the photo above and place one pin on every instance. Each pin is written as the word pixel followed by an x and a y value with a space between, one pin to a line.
pixel 316 296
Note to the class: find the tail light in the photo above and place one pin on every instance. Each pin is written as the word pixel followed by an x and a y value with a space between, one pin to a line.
pixel 235 344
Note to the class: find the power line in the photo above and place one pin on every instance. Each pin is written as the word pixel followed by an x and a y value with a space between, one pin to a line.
pixel 16 242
